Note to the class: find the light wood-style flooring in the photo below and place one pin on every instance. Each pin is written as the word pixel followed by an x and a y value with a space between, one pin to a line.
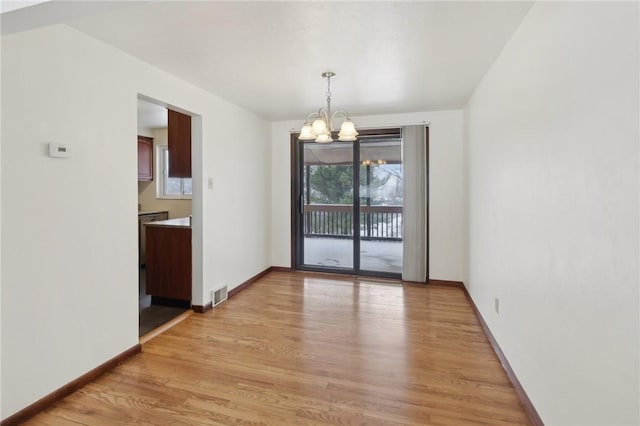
pixel 303 349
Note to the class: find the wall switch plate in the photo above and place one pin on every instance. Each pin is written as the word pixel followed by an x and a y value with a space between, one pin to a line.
pixel 210 183
pixel 497 305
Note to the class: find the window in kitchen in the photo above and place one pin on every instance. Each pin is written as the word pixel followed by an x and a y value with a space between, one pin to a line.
pixel 169 187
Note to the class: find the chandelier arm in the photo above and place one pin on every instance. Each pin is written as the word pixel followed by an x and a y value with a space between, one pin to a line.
pixel 321 113
pixel 310 116
pixel 342 113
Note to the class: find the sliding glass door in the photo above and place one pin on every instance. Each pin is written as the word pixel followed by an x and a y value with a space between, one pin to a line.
pixel 327 205
pixel 348 205
pixel 381 177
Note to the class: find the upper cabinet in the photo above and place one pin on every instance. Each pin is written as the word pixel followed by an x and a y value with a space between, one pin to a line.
pixel 179 135
pixel 145 159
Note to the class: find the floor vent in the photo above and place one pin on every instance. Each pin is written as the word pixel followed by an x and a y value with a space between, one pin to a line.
pixel 219 296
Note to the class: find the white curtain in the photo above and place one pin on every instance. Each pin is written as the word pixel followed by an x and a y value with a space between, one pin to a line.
pixel 414 221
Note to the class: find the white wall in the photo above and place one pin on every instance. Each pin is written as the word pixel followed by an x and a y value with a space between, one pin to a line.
pixel 552 145
pixel 1 399
pixel 447 239
pixel 69 275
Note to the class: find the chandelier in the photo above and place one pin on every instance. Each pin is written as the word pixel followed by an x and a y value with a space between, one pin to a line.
pixel 321 127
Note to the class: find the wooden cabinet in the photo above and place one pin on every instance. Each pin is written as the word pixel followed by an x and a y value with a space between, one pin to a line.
pixel 142 220
pixel 145 159
pixel 169 262
pixel 179 137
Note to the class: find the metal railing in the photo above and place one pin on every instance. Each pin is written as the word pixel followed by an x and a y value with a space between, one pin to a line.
pixel 336 221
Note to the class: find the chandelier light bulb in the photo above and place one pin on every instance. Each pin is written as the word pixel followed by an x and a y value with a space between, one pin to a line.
pixel 319 126
pixel 307 133
pixel 324 138
pixel 347 132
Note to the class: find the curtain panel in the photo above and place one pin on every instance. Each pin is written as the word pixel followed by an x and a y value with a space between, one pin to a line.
pixel 414 233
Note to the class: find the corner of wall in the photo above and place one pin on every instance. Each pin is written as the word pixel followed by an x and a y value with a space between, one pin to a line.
pixel 466 140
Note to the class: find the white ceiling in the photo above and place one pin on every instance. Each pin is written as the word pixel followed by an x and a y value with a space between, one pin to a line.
pixel 9 5
pixel 268 56
pixel 152 116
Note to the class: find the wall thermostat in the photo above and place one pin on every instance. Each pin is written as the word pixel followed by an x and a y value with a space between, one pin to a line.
pixel 59 150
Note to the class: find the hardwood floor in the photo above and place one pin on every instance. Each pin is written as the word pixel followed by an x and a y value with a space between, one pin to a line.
pixel 309 350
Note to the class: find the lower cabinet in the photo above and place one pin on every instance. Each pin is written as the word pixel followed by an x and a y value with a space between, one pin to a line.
pixel 168 259
pixel 142 220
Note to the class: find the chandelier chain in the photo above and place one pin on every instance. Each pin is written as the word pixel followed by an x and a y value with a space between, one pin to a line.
pixel 329 117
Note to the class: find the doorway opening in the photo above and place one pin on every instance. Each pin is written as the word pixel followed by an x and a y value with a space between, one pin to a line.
pixel 348 205
pixel 164 215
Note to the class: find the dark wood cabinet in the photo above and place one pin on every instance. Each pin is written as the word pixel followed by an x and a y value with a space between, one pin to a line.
pixel 143 219
pixel 168 273
pixel 145 159
pixel 179 136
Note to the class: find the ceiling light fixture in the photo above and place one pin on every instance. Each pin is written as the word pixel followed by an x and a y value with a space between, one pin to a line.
pixel 321 127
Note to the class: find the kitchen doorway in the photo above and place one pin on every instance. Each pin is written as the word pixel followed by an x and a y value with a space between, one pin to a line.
pixel 165 212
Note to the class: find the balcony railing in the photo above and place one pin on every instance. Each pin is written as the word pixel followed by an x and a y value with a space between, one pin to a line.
pixel 336 221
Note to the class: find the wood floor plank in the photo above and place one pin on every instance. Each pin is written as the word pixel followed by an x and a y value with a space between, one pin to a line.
pixel 307 349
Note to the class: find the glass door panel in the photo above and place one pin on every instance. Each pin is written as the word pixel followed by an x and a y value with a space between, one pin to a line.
pixel 327 205
pixel 381 179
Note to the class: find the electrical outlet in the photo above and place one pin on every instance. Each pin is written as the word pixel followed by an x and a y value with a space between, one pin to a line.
pixel 497 305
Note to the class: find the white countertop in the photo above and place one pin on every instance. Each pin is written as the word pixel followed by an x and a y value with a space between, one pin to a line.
pixel 182 222
pixel 142 213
